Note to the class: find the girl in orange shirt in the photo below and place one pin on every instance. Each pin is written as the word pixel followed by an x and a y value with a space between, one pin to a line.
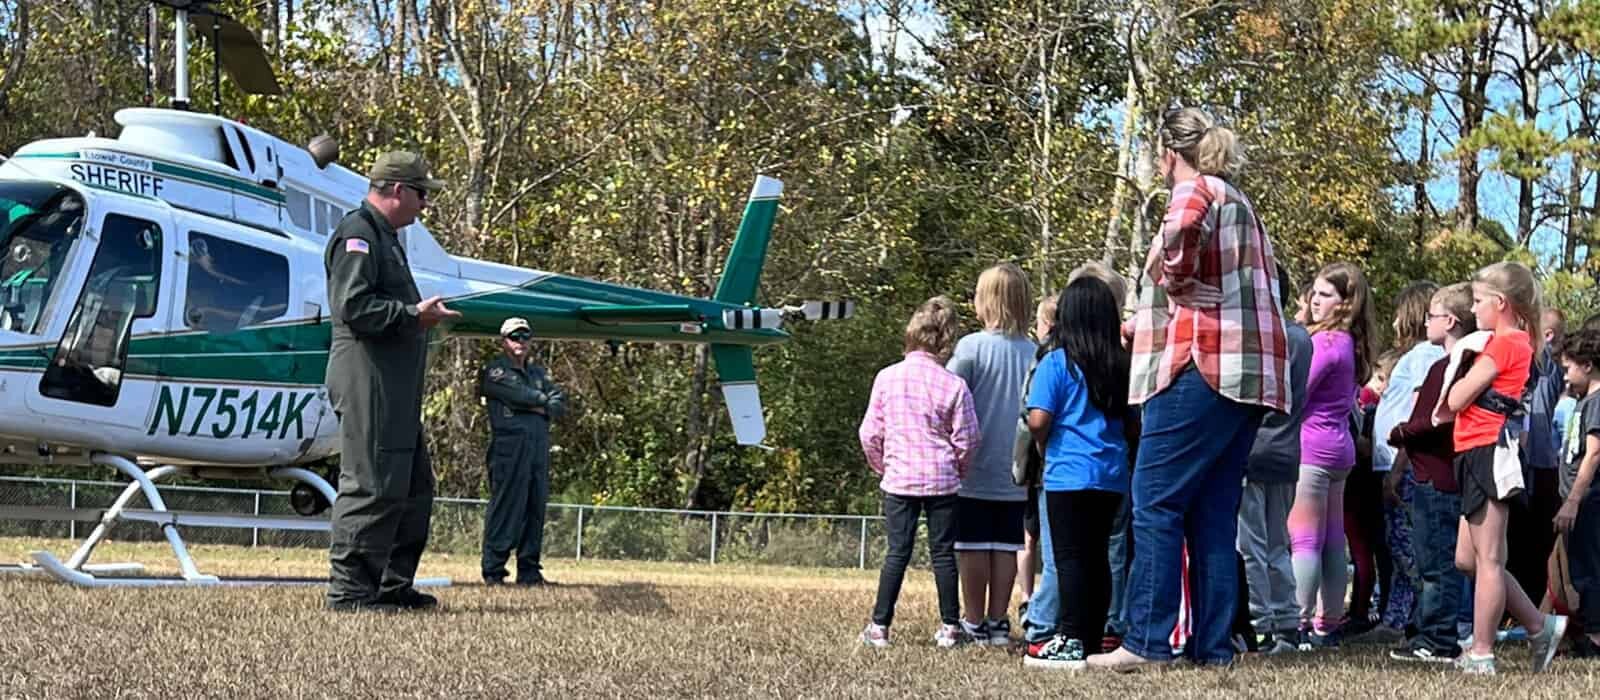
pixel 1505 299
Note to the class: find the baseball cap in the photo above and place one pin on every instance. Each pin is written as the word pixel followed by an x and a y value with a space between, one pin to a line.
pixel 512 325
pixel 403 167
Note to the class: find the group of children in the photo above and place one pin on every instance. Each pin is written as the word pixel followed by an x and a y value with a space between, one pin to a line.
pixel 1409 464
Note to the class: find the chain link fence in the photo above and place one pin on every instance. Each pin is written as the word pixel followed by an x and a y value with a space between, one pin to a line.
pixel 571 531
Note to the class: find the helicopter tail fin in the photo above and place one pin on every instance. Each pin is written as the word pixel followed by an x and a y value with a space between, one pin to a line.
pixel 741 274
pixel 736 372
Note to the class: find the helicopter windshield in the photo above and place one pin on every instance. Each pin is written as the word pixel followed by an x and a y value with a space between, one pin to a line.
pixel 39 224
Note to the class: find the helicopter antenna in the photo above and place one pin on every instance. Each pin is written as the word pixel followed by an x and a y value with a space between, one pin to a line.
pixel 216 64
pixel 149 56
pixel 180 90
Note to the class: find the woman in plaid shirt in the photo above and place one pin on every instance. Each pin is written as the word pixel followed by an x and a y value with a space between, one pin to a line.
pixel 1210 356
pixel 920 433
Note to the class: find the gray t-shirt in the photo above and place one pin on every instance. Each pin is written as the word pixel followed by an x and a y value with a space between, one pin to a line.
pixel 1585 422
pixel 995 367
pixel 1275 457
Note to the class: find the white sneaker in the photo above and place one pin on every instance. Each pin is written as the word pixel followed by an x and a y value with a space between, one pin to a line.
pixel 875 636
pixel 979 633
pixel 1475 665
pixel 999 632
pixel 1543 645
pixel 949 636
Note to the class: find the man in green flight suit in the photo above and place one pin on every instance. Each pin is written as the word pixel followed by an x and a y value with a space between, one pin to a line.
pixel 522 401
pixel 375 380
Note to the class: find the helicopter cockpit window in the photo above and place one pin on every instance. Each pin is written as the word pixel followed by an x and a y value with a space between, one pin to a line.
pixel 233 285
pixel 122 286
pixel 39 225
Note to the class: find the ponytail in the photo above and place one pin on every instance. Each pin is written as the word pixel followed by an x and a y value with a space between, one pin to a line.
pixel 1208 148
pixel 1219 153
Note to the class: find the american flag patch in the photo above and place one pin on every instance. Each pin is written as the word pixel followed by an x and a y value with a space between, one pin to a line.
pixel 356 245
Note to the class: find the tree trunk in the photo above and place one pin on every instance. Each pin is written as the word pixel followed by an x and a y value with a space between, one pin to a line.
pixel 1420 202
pixel 1467 175
pixel 1119 188
pixel 694 428
pixel 1574 227
pixel 1042 179
pixel 1475 70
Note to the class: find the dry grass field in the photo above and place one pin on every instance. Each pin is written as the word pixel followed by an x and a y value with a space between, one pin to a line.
pixel 614 629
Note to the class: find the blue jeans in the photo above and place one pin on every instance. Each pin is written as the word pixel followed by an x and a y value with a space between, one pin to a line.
pixel 1121 552
pixel 1045 606
pixel 1186 488
pixel 1435 517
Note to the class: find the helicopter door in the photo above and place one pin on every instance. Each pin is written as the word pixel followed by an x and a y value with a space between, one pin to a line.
pixel 90 375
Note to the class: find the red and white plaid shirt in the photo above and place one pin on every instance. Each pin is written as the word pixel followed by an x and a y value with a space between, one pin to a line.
pixel 1208 296
pixel 921 429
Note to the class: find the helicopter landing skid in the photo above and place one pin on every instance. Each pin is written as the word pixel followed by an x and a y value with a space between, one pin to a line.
pixel 78 571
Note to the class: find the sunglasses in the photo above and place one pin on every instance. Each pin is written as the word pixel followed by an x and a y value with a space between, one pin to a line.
pixel 520 336
pixel 422 194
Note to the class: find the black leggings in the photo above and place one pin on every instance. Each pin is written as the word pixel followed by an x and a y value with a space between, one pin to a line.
pixel 1080 538
pixel 901 513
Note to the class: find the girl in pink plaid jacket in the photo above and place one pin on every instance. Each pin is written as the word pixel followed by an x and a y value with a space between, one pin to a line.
pixel 920 433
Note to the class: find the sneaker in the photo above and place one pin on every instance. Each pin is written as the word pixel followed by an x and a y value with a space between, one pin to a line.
pixel 1420 655
pixel 1240 644
pixel 494 581
pixel 1302 640
pixel 1475 665
pixel 999 633
pixel 1378 634
pixel 410 599
pixel 1543 644
pixel 1358 628
pixel 979 633
pixel 875 636
pixel 1278 645
pixel 1327 640
pixel 949 636
pixel 1515 634
pixel 1056 654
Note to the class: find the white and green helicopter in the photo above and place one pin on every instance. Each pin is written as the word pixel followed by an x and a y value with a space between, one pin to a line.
pixel 163 308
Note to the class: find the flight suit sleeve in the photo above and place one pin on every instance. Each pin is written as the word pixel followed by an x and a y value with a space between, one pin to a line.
pixel 502 386
pixel 555 399
pixel 354 294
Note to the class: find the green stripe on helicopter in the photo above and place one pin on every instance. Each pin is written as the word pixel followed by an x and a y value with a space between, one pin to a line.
pixel 295 353
pixel 182 172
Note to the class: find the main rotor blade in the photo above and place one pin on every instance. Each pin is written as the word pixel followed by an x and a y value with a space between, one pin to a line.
pixel 242 55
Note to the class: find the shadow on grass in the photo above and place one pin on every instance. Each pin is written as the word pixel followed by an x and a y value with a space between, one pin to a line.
pixel 627 598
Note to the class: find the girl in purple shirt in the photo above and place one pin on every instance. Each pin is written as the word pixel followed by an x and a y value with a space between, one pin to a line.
pixel 1341 360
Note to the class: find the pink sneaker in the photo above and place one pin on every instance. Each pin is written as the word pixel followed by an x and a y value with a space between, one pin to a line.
pixel 949 636
pixel 875 636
